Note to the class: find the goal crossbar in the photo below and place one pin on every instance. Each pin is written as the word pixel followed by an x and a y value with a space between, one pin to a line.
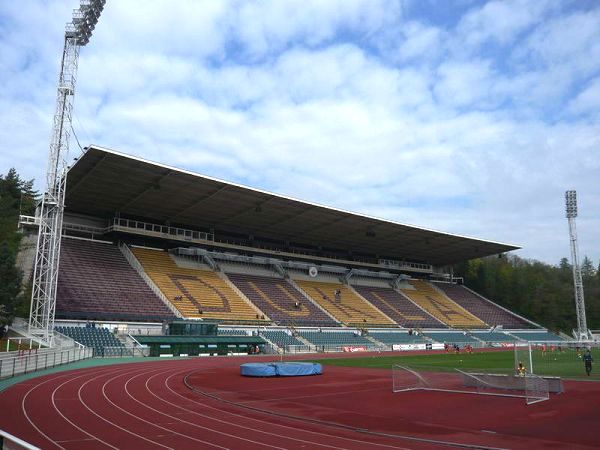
pixel 531 387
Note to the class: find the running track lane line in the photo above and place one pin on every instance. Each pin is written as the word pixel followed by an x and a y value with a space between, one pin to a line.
pixel 337 425
pixel 104 394
pixel 229 435
pixel 51 378
pixel 24 409
pixel 292 427
pixel 226 412
pixel 251 429
pixel 119 372
pixel 270 424
pixel 68 420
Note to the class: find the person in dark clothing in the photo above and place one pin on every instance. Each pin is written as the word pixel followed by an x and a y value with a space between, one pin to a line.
pixel 587 360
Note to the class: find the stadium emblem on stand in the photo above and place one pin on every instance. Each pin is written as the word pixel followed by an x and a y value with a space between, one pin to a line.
pixel 313 272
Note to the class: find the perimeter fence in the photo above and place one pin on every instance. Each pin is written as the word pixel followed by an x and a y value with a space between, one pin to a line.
pixel 27 361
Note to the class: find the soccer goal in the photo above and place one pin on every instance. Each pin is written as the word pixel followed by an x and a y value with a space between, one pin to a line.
pixel 530 387
pixel 559 358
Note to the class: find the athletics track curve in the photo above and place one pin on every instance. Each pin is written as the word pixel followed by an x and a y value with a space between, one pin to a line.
pixel 205 403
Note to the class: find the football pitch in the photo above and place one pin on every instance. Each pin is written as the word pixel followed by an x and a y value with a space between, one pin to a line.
pixel 565 364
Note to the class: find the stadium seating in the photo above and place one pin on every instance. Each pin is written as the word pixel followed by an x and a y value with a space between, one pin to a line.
pixel 451 337
pixel 440 306
pixel 97 338
pixel 334 338
pixel 485 310
pixel 96 282
pixel 278 299
pixel 347 307
pixel 494 336
pixel 281 338
pixel 396 337
pixel 195 293
pixel 398 307
pixel 225 332
pixel 536 336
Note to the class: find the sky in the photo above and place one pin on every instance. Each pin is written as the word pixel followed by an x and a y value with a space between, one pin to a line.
pixel 468 117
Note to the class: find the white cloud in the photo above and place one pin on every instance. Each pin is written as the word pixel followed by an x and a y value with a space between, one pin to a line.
pixel 569 43
pixel 588 100
pixel 500 21
pixel 421 43
pixel 465 84
pixel 462 128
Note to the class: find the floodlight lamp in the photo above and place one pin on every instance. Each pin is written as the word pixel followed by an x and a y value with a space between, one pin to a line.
pixel 571 203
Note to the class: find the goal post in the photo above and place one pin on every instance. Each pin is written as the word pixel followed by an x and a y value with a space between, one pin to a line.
pixel 523 358
pixel 536 389
pixel 406 379
pixel 530 387
pixel 558 358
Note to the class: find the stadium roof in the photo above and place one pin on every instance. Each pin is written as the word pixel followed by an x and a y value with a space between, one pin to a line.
pixel 104 182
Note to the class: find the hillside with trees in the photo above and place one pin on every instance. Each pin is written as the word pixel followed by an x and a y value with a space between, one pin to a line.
pixel 540 292
pixel 16 197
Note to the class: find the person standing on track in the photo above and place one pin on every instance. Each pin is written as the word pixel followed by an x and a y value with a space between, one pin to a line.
pixel 587 360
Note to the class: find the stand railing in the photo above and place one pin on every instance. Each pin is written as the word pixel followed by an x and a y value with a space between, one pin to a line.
pixel 31 360
pixel 9 442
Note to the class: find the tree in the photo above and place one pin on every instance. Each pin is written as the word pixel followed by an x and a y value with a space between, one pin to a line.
pixel 587 268
pixel 16 197
pixel 539 291
pixel 4 319
pixel 10 281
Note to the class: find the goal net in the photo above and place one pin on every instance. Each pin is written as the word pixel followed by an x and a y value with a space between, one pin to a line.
pixel 559 358
pixel 536 389
pixel 532 388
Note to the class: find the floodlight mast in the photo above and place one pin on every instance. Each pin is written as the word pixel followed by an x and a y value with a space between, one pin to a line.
pixel 50 212
pixel 571 210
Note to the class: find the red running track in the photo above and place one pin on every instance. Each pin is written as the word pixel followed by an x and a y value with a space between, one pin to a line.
pixel 148 405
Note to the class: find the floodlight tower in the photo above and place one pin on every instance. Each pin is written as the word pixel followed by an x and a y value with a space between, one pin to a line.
pixel 50 213
pixel 571 207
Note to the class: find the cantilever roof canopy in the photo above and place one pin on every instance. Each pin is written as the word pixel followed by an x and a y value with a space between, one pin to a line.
pixel 103 182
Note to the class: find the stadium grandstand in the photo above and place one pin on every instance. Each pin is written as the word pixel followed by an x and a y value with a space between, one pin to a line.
pixel 146 244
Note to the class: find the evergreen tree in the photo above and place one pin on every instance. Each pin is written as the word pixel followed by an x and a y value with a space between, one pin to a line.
pixel 587 268
pixel 538 291
pixel 4 319
pixel 16 197
pixel 10 281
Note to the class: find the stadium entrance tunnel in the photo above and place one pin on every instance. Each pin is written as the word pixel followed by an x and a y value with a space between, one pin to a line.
pixel 280 369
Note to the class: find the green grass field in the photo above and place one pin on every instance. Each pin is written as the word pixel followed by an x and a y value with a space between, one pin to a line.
pixel 564 364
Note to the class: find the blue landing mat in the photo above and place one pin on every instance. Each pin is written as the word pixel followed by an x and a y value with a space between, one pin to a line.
pixel 281 369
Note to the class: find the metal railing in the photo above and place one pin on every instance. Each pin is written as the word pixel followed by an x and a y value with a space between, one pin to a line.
pixel 31 361
pixel 164 231
pixel 10 442
pixel 22 343
pixel 405 265
pixel 122 352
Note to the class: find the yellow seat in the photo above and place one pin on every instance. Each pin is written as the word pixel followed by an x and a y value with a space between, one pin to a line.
pixel 347 307
pixel 195 293
pixel 440 306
